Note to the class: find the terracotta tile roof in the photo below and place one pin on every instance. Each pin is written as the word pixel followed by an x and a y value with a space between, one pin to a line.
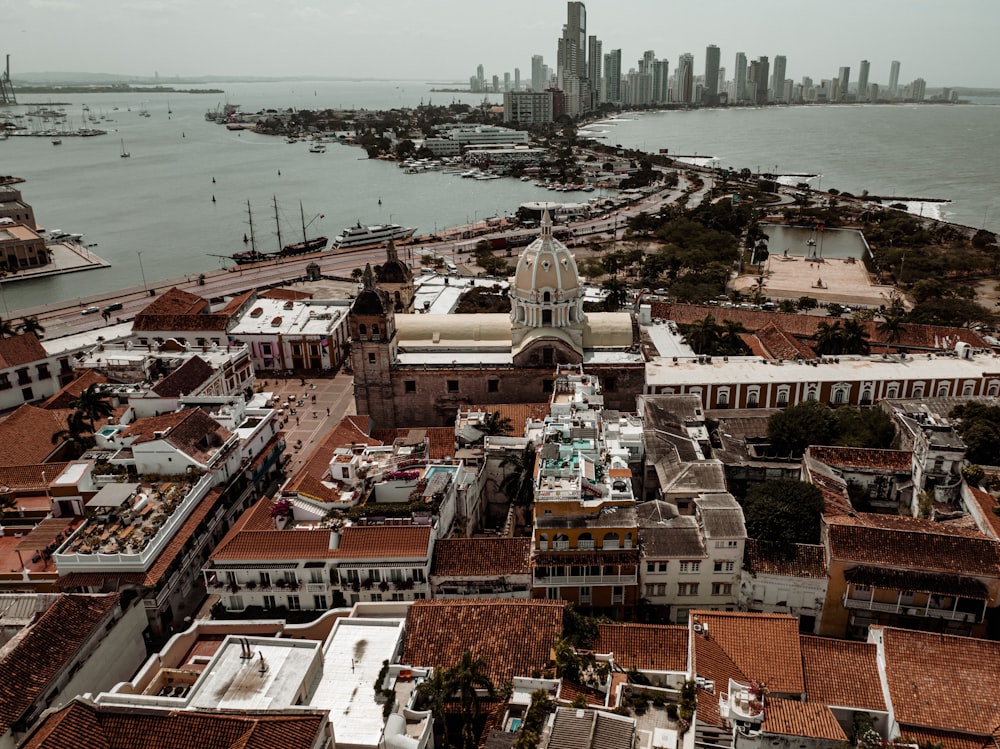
pixel 835 498
pixel 644 646
pixel 481 557
pixel 569 690
pixel 920 546
pixel 906 523
pixel 805 719
pixel 184 380
pixel 518 413
pixel 236 303
pixel 778 344
pixel 30 477
pixel 440 440
pixel 711 662
pixel 987 502
pixel 802 560
pixel 254 537
pixel 20 350
pixel 285 294
pixel 384 542
pixel 840 673
pixel 175 301
pixel 26 434
pixel 898 461
pixel 514 637
pixel 804 326
pixel 46 649
pixel 765 647
pixel 350 430
pixel 192 431
pixel 81 725
pixel 947 739
pixel 177 309
pixel 71 391
pixel 943 682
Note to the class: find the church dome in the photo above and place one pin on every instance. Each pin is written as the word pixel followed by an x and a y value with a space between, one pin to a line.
pixel 546 265
pixel 394 271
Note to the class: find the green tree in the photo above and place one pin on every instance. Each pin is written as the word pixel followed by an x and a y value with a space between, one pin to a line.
pixel 7 329
pixel 617 294
pixel 808 423
pixel 77 437
pixel 493 425
pixel 31 325
pixel 432 694
pixel 829 339
pixel 863 427
pixel 891 326
pixel 855 339
pixel 960 313
pixel 93 405
pixel 467 679
pixel 784 512
pixel 703 335
pixel 518 483
pixel 979 428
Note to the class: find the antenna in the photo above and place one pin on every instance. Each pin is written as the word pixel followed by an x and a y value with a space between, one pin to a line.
pixel 263 664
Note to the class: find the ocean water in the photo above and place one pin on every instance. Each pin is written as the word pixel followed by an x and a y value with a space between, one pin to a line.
pixel 160 201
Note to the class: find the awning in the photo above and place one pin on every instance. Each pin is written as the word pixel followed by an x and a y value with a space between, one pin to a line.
pixel 923 582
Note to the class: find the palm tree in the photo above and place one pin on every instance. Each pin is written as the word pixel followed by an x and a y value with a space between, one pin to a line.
pixel 432 695
pixel 31 325
pixel 93 404
pixel 855 339
pixel 493 424
pixel 468 678
pixel 617 294
pixel 7 329
pixel 829 339
pixel 891 326
pixel 730 341
pixel 75 436
pixel 519 483
pixel 702 335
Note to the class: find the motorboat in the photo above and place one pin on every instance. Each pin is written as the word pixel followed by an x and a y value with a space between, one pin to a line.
pixel 358 235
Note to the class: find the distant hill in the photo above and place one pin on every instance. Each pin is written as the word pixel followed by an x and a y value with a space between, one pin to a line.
pixel 50 78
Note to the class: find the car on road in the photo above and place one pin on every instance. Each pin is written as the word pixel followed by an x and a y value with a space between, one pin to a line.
pixel 90 310
pixel 114 307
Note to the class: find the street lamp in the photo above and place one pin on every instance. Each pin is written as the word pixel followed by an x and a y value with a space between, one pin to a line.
pixel 143 272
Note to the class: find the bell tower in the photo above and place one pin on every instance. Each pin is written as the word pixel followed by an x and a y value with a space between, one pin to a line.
pixel 372 322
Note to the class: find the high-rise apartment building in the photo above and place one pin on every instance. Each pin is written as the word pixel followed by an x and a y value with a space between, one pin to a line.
pixel 613 76
pixel 661 82
pixel 571 70
pixel 778 79
pixel 893 79
pixel 517 79
pixel 740 78
pixel 538 81
pixel 506 82
pixel 711 74
pixel 918 89
pixel 594 59
pixel 843 81
pixel 863 81
pixel 684 79
pixel 481 78
pixel 576 30
pixel 760 80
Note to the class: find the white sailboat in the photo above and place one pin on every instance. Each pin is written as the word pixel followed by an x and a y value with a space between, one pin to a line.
pixel 125 154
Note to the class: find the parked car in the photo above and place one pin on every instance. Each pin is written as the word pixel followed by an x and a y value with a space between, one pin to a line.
pixel 90 310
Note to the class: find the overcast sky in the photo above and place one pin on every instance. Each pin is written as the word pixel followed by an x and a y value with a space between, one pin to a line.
pixel 946 43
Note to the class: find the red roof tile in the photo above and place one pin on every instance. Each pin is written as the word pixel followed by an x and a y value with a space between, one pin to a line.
pixel 285 294
pixel 920 546
pixel 384 542
pixel 805 719
pixel 192 431
pixel 255 537
pixel 765 647
pixel 20 350
pixel 184 380
pixel 82 725
pixel 898 461
pixel 943 682
pixel 802 560
pixel 30 477
pixel 713 663
pixel 779 344
pixel 514 637
pixel 644 646
pixel 841 673
pixel 440 440
pixel 481 557
pixel 26 434
pixel 351 430
pixel 986 503
pixel 179 310
pixel 71 391
pixel 46 649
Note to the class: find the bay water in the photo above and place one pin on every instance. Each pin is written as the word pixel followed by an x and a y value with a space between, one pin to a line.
pixel 181 198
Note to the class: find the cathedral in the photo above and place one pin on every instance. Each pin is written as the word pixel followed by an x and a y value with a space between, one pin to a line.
pixel 413 370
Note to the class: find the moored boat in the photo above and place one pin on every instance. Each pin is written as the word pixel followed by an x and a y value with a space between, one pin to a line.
pixel 358 235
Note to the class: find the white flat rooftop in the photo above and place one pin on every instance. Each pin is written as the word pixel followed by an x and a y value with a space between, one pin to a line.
pixel 352 659
pixel 445 358
pixel 293 318
pixel 667 339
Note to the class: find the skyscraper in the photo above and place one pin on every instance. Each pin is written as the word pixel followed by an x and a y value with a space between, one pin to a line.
pixel 863 81
pixel 661 81
pixel 711 74
pixel 481 78
pixel 575 32
pixel 778 79
pixel 594 59
pixel 760 80
pixel 684 79
pixel 843 81
pixel 893 79
pixel 613 76
pixel 517 79
pixel 538 82
pixel 740 77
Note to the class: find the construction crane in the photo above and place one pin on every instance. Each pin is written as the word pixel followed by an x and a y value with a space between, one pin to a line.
pixel 6 87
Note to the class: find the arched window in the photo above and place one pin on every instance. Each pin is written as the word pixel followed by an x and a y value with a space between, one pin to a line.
pixel 585 541
pixel 560 541
pixel 783 396
pixel 968 388
pixel 866 397
pixel 753 398
pixel 994 389
pixel 611 540
pixel 942 389
pixel 374 330
pixel 543 541
pixel 722 398
pixel 363 329
pixel 547 297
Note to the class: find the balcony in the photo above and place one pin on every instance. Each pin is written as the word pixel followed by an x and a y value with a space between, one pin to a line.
pixel 743 703
pixel 904 609
pixel 555 581
pixel 316 587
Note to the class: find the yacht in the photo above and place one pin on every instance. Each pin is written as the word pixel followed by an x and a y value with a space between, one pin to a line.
pixel 358 235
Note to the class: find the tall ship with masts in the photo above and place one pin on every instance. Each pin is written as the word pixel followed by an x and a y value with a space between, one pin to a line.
pixel 306 246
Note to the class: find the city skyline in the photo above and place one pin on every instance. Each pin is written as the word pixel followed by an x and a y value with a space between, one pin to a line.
pixel 442 39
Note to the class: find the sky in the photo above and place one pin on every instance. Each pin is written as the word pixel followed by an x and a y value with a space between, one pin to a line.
pixel 947 44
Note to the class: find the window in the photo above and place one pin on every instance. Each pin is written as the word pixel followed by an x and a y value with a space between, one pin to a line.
pixel 398 597
pixel 585 594
pixel 316 575
pixel 4 381
pixel 918 390
pixel 650 566
pixel 722 589
pixel 688 567
pixel 23 378
pixel 43 372
pixel 265 349
pixel 371 357
pixel 290 578
pixel 722 398
pixel 319 602
pixel 293 603
pixel 650 590
pixel 723 565
pixel 662 567
pixel 377 597
pixel 892 391
pixel 753 398
pixel 493 386
pixel 552 594
pixel 269 602
pixel 726 544
pixel 547 318
pixel 782 397
pixel 942 389
pixel 374 330
pixel 410 386
pixel 417 574
pixel 452 386
pixel 265 579
pixel 363 329
pixel 687 589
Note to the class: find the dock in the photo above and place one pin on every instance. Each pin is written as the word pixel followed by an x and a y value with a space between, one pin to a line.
pixel 67 257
